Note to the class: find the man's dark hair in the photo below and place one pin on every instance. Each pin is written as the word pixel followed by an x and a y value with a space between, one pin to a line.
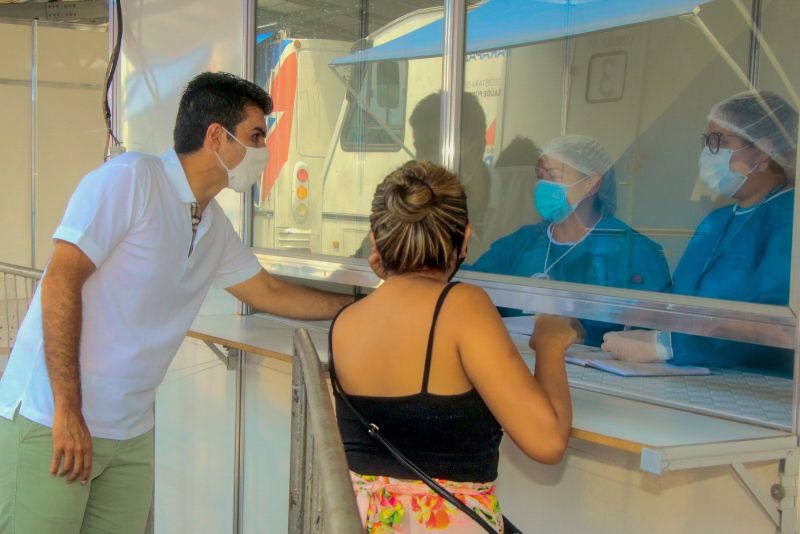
pixel 213 97
pixel 473 120
pixel 522 151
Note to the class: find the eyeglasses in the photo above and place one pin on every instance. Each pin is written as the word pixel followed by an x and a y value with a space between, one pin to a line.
pixel 713 141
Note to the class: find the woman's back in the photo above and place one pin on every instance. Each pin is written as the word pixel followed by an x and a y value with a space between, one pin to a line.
pixel 404 374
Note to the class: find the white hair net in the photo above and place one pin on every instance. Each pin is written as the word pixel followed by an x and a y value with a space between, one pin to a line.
pixel 589 157
pixel 763 118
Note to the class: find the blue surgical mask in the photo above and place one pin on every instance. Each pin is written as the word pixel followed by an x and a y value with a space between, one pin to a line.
pixel 716 173
pixel 550 199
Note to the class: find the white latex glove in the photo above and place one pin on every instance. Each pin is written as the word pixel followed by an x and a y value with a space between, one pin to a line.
pixel 633 345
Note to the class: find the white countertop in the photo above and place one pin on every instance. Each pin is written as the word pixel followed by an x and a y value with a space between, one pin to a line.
pixel 599 418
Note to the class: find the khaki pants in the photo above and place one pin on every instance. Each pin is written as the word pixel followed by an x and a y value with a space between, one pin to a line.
pixel 116 500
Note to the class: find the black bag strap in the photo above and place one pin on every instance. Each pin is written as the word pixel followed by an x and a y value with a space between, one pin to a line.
pixel 375 432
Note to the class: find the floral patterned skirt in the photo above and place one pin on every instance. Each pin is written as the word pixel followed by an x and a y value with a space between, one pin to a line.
pixel 390 505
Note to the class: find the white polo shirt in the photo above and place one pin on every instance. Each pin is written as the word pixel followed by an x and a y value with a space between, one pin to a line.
pixel 131 217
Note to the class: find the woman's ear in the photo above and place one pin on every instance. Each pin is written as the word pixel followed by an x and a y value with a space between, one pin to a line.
pixel 372 242
pixel 465 244
pixel 593 184
pixel 375 259
pixel 764 148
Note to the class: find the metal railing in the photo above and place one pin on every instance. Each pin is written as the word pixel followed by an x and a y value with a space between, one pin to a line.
pixel 321 497
pixel 16 291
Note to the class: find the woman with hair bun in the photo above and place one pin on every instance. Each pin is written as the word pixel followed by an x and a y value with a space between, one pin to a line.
pixel 430 364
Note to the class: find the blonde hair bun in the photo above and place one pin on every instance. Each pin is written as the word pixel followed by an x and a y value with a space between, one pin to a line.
pixel 409 197
pixel 419 217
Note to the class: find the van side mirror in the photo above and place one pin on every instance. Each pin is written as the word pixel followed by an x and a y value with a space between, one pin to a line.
pixel 388 82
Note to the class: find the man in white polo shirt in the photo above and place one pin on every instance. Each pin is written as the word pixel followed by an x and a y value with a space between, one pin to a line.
pixel 141 242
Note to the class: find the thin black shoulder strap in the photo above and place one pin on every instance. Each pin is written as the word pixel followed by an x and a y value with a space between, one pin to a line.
pixel 429 353
pixel 331 368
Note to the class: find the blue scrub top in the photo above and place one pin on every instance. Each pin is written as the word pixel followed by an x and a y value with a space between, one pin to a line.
pixel 742 255
pixel 612 255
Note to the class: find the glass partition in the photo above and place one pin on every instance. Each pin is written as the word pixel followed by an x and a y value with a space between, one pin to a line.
pixel 628 164
pixel 647 146
pixel 341 123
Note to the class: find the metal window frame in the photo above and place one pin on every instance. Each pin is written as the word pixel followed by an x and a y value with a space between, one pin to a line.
pixel 770 325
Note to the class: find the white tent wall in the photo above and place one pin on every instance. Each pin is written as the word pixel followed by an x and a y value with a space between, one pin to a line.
pixel 15 146
pixel 61 126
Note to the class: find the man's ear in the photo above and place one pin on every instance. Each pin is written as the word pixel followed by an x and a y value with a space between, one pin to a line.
pixel 214 134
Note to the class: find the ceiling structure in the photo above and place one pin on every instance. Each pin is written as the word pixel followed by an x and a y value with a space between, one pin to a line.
pixel 344 20
pixel 79 11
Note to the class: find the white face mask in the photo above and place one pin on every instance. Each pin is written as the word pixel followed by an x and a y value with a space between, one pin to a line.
pixel 244 175
pixel 716 173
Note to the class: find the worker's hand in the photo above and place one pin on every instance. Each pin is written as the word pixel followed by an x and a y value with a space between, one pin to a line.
pixel 580 331
pixel 552 332
pixel 72 445
pixel 632 345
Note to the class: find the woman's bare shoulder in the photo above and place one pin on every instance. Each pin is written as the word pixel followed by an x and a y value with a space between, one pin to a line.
pixel 470 299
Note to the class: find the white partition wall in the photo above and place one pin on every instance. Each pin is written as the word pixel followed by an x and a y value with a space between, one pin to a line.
pixel 51 90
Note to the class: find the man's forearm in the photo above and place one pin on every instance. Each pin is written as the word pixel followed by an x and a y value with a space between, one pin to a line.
pixel 61 325
pixel 300 302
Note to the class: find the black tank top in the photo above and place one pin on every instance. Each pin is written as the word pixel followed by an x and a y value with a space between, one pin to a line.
pixel 451 437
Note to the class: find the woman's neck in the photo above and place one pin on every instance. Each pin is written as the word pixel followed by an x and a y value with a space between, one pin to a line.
pixel 428 275
pixel 577 225
pixel 767 183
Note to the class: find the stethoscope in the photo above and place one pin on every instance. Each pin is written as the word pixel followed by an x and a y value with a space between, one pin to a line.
pixel 719 247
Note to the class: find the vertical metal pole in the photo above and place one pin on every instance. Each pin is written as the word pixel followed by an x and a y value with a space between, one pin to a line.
pixel 238 442
pixel 248 72
pixel 363 19
pixel 34 97
pixel 794 299
pixel 455 17
pixel 794 289
pixel 753 52
pixel 297 453
pixel 246 223
pixel 566 75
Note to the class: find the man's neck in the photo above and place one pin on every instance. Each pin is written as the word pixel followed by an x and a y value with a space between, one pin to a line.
pixel 203 177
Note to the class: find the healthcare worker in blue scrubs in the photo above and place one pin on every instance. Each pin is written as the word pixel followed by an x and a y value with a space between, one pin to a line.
pixel 741 251
pixel 579 239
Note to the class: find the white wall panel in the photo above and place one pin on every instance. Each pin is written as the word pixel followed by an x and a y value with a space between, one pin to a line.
pixel 268 409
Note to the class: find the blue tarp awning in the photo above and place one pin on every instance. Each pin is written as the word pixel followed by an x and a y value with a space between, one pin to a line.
pixel 507 23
